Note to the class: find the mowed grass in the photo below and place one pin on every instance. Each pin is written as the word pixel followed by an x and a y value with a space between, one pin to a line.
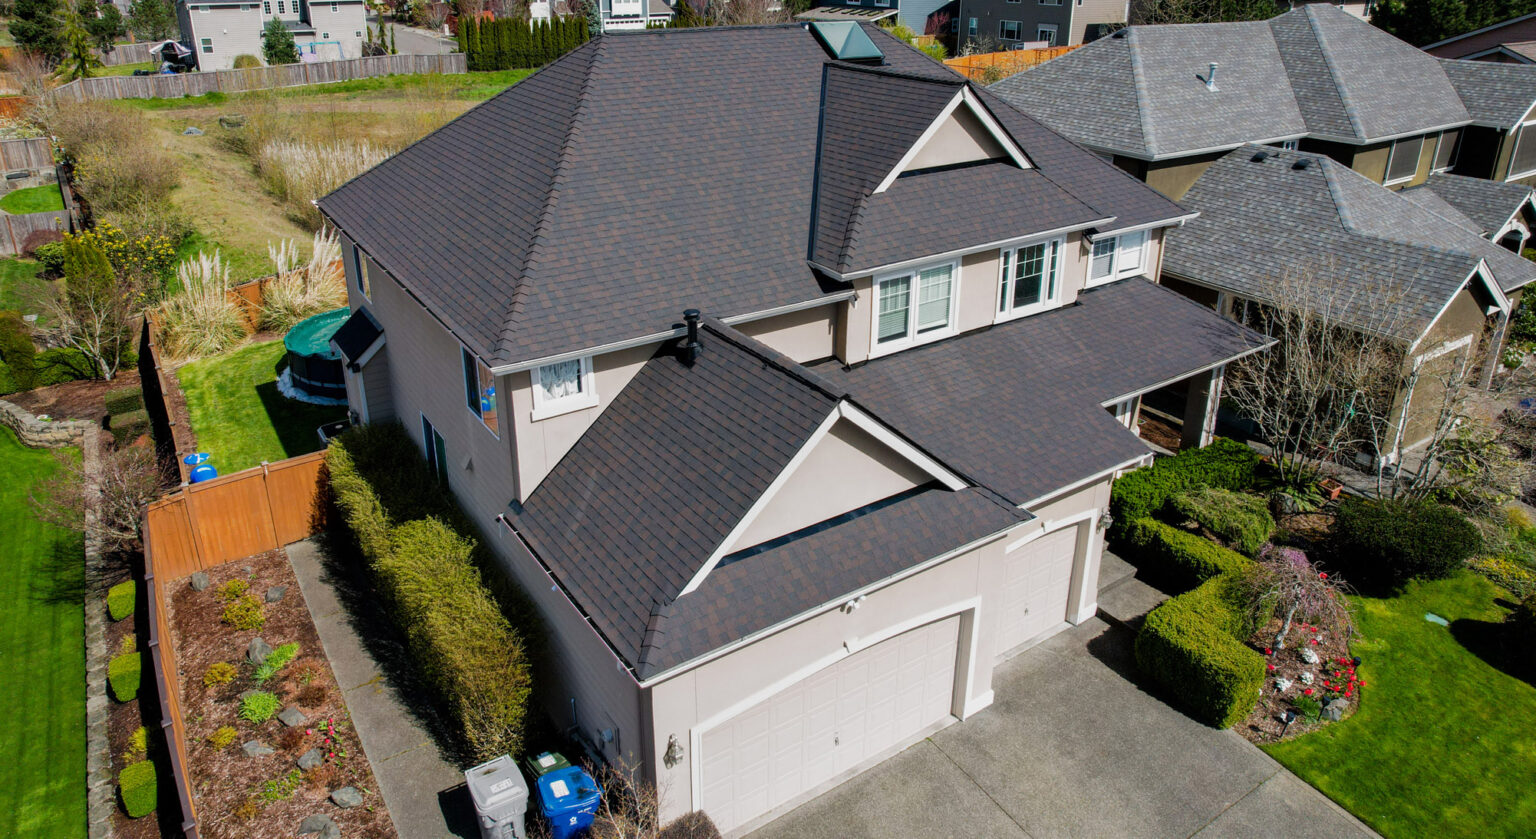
pixel 472 87
pixel 239 416
pixel 42 649
pixel 20 288
pixel 126 69
pixel 33 199
pixel 1444 743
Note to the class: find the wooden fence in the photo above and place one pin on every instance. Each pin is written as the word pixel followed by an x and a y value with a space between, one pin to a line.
pixel 989 67
pixel 255 78
pixel 173 440
pixel 162 658
pixel 127 54
pixel 16 229
pixel 30 153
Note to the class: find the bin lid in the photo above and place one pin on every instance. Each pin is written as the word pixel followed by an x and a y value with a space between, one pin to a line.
pixel 495 783
pixel 546 762
pixel 567 790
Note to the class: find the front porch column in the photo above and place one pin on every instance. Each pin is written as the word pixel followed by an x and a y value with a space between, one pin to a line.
pixel 1200 408
pixel 1495 351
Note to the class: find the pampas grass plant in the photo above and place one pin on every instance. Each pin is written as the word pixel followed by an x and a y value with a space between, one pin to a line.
pixel 199 319
pixel 301 290
pixel 299 171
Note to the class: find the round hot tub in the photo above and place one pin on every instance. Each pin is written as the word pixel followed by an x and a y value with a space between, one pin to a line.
pixel 314 366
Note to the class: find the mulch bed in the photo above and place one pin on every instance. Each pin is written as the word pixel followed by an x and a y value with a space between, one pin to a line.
pixel 74 400
pixel 227 783
pixel 1331 678
pixel 122 720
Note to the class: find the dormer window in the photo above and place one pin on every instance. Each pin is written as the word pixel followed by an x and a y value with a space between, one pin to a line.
pixel 1117 256
pixel 914 307
pixel 563 387
pixel 1031 280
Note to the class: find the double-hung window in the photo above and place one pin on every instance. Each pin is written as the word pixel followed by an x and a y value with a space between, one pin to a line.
pixel 1117 256
pixel 266 7
pixel 360 261
pixel 562 387
pixel 1031 279
pixel 915 306
pixel 1046 32
pixel 480 391
pixel 971 28
pixel 1009 30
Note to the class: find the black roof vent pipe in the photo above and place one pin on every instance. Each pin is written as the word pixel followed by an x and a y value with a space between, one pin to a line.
pixel 692 348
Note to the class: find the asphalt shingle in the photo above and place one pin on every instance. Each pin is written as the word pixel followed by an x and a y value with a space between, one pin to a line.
pixel 1487 205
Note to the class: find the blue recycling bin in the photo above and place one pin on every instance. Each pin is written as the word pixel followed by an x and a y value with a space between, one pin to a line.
pixel 568 800
pixel 202 473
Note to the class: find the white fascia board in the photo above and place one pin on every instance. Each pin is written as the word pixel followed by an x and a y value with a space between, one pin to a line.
pixel 1270 342
pixel 962 96
pixel 1091 479
pixel 1176 221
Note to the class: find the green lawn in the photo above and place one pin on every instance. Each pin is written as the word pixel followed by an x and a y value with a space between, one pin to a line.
pixel 19 284
pixel 42 649
pixel 1444 743
pixel 239 416
pixel 467 86
pixel 33 199
pixel 126 69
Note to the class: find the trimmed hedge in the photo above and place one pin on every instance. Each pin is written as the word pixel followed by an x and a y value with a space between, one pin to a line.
pixel 123 674
pixel 1192 646
pixel 1386 543
pixel 1179 559
pixel 121 599
pixel 423 557
pixel 1239 519
pixel 138 787
pixel 1523 621
pixel 1224 463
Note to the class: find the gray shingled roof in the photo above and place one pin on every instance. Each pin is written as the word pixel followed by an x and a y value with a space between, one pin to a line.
pixel 648 172
pixel 1314 71
pixel 1263 220
pixel 1488 205
pixel 1018 407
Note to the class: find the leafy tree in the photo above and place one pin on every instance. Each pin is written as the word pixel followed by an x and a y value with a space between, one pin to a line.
pixel 104 22
pixel 687 16
pixel 152 19
pixel 80 61
pixel 95 310
pixel 38 27
pixel 593 17
pixel 1422 22
pixel 277 45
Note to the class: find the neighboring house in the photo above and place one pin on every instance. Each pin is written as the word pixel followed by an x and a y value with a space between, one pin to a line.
pixel 619 15
pixel 778 543
pixel 1417 261
pixel 1511 42
pixel 1165 102
pixel 1016 24
pixel 220 31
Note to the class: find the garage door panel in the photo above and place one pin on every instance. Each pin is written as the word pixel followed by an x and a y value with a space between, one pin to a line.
pixel 1037 582
pixel 830 722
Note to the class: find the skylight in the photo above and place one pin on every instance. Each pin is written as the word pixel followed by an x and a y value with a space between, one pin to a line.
pixel 846 41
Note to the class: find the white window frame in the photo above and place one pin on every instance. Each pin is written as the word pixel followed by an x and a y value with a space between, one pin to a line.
pixel 360 262
pixel 545 408
pixel 1051 299
pixel 206 44
pixel 1118 267
pixel 913 337
pixel 971 28
pixel 1047 29
pixel 1514 151
pixel 1387 179
pixel 1018 30
pixel 472 366
pixel 1290 145
pixel 1455 152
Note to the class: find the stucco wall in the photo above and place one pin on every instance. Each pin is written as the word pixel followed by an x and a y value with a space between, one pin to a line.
pixel 960 139
pixel 1464 318
pixel 1173 178
pixel 803 336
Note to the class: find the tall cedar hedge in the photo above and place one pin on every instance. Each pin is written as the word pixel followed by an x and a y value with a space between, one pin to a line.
pixel 505 44
pixel 426 560
pixel 1224 463
pixel 1384 543
pixel 1178 559
pixel 1192 645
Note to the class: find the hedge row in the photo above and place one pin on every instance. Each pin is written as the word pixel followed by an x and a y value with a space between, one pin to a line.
pixel 423 556
pixel 1192 645
pixel 1384 543
pixel 138 787
pixel 508 43
pixel 1179 559
pixel 1224 463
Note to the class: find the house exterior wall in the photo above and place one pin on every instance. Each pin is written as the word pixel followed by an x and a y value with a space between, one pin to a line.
pixel 339 33
pixel 232 30
pixel 804 336
pixel 1088 12
pixel 960 139
pixel 1510 33
pixel 1173 178
pixel 990 14
pixel 376 389
pixel 1463 319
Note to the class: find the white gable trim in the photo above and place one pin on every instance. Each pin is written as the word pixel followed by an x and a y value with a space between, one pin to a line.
pixel 864 422
pixel 969 99
pixel 1479 273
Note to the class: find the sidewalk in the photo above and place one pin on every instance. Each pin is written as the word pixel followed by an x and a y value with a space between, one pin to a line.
pixel 423 789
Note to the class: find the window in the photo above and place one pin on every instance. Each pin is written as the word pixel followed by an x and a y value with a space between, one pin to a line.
pixel 357 34
pixel 563 387
pixel 280 8
pixel 1403 161
pixel 1445 150
pixel 915 306
pixel 480 391
pixel 335 8
pixel 360 259
pixel 1116 256
pixel 971 28
pixel 1289 145
pixel 1050 2
pixel 1009 30
pixel 1031 279
pixel 325 36
pixel 1046 32
pixel 266 7
pixel 436 450
pixel 204 9
pixel 207 44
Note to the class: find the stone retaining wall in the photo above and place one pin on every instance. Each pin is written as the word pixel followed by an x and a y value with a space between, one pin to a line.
pixel 55 434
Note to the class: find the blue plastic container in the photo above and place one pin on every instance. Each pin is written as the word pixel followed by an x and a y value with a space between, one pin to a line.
pixel 203 472
pixel 568 799
pixel 195 459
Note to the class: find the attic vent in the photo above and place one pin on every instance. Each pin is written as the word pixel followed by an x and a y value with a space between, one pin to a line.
pixel 847 41
pixel 1302 163
pixel 1259 157
pixel 1210 77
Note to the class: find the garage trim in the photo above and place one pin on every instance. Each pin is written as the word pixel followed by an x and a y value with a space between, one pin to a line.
pixel 1082 601
pixel 968 610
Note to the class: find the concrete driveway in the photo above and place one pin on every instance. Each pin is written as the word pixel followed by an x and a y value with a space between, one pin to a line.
pixel 1073 747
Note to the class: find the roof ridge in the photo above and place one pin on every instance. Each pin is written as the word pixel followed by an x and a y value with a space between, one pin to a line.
pixel 1333 72
pixel 1139 82
pixel 551 199
pixel 1346 217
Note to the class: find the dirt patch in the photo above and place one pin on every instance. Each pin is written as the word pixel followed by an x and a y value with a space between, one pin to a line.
pixel 1332 677
pixel 74 400
pixel 266 796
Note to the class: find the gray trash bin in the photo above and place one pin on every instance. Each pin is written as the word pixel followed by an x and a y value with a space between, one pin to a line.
pixel 501 798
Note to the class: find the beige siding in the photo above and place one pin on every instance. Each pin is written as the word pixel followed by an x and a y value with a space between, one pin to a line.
pixel 803 336
pixel 960 139
pixel 1371 161
pixel 375 379
pixel 1173 178
pixel 979 276
pixel 1094 11
pixel 1464 318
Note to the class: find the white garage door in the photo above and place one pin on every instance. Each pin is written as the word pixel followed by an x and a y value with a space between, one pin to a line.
pixel 831 721
pixel 1037 580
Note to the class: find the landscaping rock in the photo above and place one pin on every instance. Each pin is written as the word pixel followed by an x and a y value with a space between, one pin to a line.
pixel 291 717
pixel 193 131
pixel 311 759
pixel 1309 656
pixel 1334 711
pixel 320 824
pixel 1307 678
pixel 255 748
pixel 347 798
pixel 199 581
pixel 246 693
pixel 258 651
pixel 1282 685
pixel 276 593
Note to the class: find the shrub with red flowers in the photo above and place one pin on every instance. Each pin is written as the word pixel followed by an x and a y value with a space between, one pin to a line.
pixel 1284 583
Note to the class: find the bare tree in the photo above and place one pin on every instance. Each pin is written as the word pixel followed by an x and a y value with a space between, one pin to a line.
pixel 128 480
pixel 96 308
pixel 1284 582
pixel 748 12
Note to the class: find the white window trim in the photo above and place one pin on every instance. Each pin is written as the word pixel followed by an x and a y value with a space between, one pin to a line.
pixel 1454 154
pixel 1417 159
pixel 466 355
pixel 1008 258
pixel 913 338
pixel 1514 151
pixel 1018 33
pixel 544 409
pixel 1047 27
pixel 1116 270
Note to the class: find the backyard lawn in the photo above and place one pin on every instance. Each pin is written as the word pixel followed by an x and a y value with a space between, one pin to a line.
pixel 33 199
pixel 126 69
pixel 19 285
pixel 239 416
pixel 42 648
pixel 1443 744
